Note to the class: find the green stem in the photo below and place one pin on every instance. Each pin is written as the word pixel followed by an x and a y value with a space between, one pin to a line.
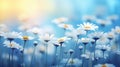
pixel 12 57
pixel 23 53
pixel 68 60
pixel 84 49
pixel 46 55
pixel 32 56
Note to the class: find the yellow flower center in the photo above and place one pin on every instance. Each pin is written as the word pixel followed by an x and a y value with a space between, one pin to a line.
pixel 118 31
pixel 87 27
pixel 65 25
pixel 61 40
pixel 25 38
pixel 103 65
pixel 110 35
pixel 60 20
pixel 11 45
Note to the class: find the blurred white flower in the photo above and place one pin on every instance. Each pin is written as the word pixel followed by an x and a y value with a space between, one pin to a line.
pixel 3 28
pixel 88 18
pixel 103 22
pixel 80 32
pixel 12 35
pixel 80 47
pixel 96 35
pixel 104 65
pixel 60 20
pixel 42 49
pixel 103 40
pixel 72 61
pixel 86 56
pixel 62 40
pixel 116 30
pixel 88 26
pixel 28 25
pixel 6 56
pixel 104 47
pixel 84 40
pixel 66 26
pixel 112 17
pixel 71 51
pixel 46 37
pixel 111 35
pixel 24 27
pixel 74 34
pixel 28 51
pixel 13 45
pixel 35 30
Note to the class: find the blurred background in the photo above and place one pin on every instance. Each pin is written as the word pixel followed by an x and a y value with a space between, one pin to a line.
pixel 44 11
pixel 41 13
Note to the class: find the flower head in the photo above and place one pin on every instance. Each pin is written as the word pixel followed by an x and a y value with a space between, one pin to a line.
pixel 85 40
pixel 74 61
pixel 104 65
pixel 46 37
pixel 88 26
pixel 35 30
pixel 71 51
pixel 88 18
pixel 74 34
pixel 13 45
pixel 60 20
pixel 112 17
pixel 3 28
pixel 66 26
pixel 62 40
pixel 96 35
pixel 111 35
pixel 103 22
pixel 25 38
pixel 104 47
pixel 12 35
pixel 116 30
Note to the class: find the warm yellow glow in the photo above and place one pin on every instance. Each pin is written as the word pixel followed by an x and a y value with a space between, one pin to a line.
pixel 25 8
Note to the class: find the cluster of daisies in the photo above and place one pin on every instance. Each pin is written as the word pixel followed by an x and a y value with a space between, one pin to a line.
pixel 79 46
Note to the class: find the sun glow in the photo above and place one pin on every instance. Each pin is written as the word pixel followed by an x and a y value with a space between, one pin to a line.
pixel 24 8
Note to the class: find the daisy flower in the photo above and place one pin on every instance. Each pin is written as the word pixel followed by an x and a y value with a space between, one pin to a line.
pixel 62 40
pixel 74 34
pixel 46 37
pixel 88 18
pixel 5 56
pixel 116 30
pixel 80 47
pixel 71 51
pixel 104 47
pixel 96 35
pixel 71 61
pixel 111 35
pixel 84 40
pixel 35 30
pixel 88 26
pixel 103 22
pixel 26 38
pixel 104 65
pixel 3 28
pixel 112 17
pixel 60 20
pixel 12 45
pixel 12 35
pixel 66 26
